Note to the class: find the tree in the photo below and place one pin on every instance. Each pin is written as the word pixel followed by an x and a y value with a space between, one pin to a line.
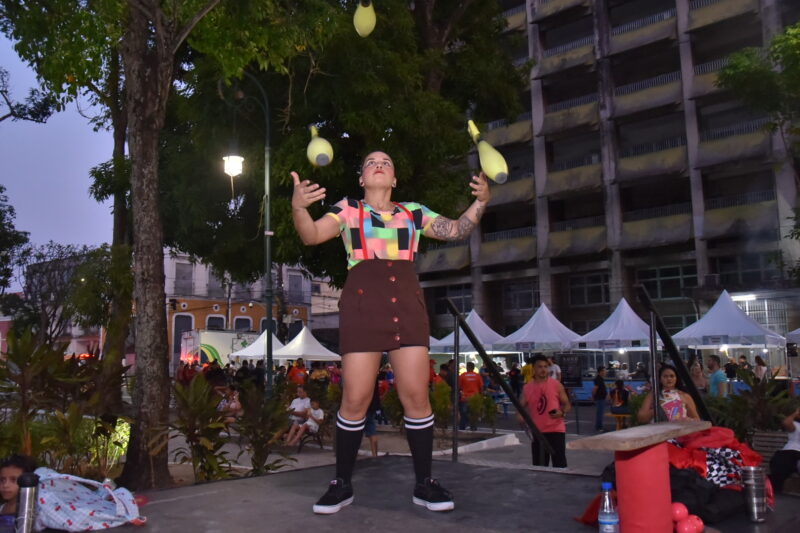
pixel 11 241
pixel 768 80
pixel 37 106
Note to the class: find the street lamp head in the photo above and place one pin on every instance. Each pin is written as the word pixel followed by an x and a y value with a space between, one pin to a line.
pixel 233 165
pixel 319 151
pixel 364 18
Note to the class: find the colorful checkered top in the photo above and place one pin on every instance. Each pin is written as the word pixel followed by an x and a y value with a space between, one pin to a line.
pixel 388 236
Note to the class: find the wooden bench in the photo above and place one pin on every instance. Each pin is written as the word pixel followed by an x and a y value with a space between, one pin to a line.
pixel 621 420
pixel 642 467
pixel 325 431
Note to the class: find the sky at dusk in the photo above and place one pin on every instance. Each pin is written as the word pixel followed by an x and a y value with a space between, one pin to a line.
pixel 45 168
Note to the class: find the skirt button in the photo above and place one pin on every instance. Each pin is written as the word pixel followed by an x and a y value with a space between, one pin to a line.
pixel 394 300
pixel 397 338
pixel 388 263
pixel 360 291
pixel 392 279
pixel 395 319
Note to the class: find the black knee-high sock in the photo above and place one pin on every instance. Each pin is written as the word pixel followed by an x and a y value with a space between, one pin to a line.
pixel 419 432
pixel 348 440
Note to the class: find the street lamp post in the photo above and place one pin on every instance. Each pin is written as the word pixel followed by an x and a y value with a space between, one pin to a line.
pixel 268 289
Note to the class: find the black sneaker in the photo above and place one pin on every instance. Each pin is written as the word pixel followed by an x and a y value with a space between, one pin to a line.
pixel 339 495
pixel 433 496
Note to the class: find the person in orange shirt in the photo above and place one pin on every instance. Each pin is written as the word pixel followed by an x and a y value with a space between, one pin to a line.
pixel 441 377
pixel 470 384
pixel 298 373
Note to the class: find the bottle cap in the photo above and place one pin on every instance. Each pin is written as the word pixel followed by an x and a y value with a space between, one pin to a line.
pixel 607 485
pixel 28 479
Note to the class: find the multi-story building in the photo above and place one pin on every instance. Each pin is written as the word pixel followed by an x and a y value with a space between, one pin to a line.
pixel 197 298
pixel 631 167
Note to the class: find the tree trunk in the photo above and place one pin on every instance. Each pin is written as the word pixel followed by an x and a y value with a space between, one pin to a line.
pixel 148 73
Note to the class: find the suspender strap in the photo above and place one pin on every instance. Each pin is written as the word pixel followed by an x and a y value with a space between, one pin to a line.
pixel 364 237
pixel 413 230
pixel 361 229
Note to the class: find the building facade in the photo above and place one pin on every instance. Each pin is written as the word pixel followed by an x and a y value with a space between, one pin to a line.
pixel 631 167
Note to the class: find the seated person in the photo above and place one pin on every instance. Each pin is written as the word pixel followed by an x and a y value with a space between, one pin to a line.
pixel 310 425
pixel 619 398
pixel 786 461
pixel 676 404
pixel 230 405
pixel 10 469
pixel 298 411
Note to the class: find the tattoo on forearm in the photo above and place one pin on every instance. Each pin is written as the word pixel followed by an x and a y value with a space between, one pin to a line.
pixel 455 230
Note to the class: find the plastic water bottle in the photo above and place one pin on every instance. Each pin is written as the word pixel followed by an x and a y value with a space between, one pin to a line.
pixel 608 518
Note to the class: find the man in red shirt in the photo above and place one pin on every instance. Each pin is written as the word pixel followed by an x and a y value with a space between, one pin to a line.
pixel 298 373
pixel 470 384
pixel 548 404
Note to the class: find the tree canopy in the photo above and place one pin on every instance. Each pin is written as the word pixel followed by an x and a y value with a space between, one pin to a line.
pixel 11 241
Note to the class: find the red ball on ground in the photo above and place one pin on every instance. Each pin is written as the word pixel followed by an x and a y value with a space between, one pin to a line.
pixel 141 500
pixel 698 522
pixel 679 512
pixel 685 526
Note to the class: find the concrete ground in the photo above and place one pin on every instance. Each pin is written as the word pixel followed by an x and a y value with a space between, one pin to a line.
pixel 495 489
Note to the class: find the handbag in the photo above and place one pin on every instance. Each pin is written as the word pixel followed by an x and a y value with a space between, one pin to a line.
pixel 72 503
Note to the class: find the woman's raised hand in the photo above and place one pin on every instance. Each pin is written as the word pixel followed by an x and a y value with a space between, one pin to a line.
pixel 480 188
pixel 305 192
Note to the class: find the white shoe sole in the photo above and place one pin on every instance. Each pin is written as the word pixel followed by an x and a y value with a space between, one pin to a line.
pixel 434 506
pixel 331 509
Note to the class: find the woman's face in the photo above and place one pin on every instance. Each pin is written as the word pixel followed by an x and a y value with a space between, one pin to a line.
pixel 696 370
pixel 378 170
pixel 8 482
pixel 668 379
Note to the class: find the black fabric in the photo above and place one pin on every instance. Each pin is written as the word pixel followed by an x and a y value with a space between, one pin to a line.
pixel 347 445
pixel 420 442
pixel 691 489
pixel 558 443
pixel 602 392
pixel 782 465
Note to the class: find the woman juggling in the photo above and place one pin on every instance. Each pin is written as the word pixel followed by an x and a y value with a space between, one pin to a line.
pixel 382 309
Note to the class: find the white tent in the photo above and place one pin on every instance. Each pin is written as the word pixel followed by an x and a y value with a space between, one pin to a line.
pixel 258 348
pixel 793 336
pixel 486 335
pixel 726 324
pixel 306 346
pixel 543 331
pixel 623 329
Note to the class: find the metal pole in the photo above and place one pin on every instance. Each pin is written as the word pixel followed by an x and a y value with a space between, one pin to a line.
pixel 456 403
pixel 658 415
pixel 268 289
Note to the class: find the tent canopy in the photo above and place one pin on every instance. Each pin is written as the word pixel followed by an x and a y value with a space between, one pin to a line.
pixel 793 336
pixel 543 331
pixel 623 329
pixel 726 324
pixel 485 334
pixel 306 346
pixel 258 348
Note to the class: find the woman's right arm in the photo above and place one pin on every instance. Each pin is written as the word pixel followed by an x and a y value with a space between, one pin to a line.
pixel 311 232
pixel 788 422
pixel 645 413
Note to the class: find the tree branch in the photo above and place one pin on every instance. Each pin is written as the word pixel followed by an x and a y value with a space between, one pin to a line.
pixel 453 20
pixel 189 26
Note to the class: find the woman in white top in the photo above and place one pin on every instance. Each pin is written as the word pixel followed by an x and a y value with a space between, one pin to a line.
pixel 676 404
pixel 785 462
pixel 761 370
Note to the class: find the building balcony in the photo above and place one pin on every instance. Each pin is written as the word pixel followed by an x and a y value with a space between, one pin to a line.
pixel 577 237
pixel 515 18
pixel 705 77
pixel 442 256
pixel 509 246
pixel 658 91
pixel 569 114
pixel 741 141
pixel 662 157
pixel 652 28
pixel 518 188
pixel 657 226
pixel 500 132
pixel 705 12
pixel 577 174
pixel 567 55
pixel 741 214
pixel 548 8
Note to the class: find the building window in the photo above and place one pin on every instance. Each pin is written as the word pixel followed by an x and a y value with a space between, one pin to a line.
pixel 316 288
pixel 588 289
pixel 746 270
pixel 216 287
pixel 460 294
pixel 215 322
pixel 184 273
pixel 182 324
pixel 770 313
pixel 242 323
pixel 520 295
pixel 667 281
pixel 675 323
pixel 242 292
pixel 263 326
pixel 295 288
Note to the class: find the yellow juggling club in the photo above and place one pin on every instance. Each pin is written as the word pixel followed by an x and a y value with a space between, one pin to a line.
pixel 319 151
pixel 364 18
pixel 492 162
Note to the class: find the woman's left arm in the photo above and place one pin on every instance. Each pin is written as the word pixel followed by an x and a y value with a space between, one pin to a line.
pixel 691 408
pixel 446 229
